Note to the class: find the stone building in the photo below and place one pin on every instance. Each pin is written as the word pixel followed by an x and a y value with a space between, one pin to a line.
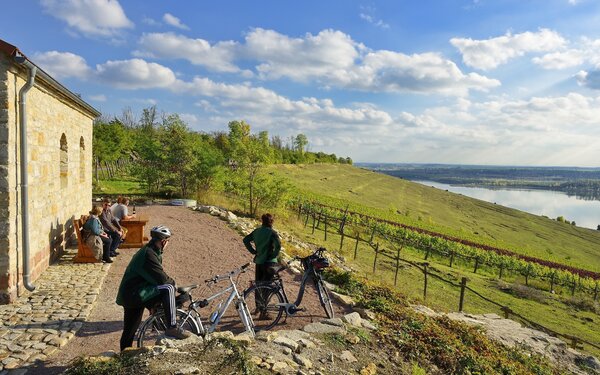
pixel 58 147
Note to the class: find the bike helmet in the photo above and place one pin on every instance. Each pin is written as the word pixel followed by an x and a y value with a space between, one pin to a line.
pixel 160 232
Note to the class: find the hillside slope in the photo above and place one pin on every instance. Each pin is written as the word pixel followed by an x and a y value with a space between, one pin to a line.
pixel 450 213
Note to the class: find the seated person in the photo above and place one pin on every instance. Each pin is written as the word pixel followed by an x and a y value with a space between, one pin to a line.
pixel 92 229
pixel 120 210
pixel 144 284
pixel 111 227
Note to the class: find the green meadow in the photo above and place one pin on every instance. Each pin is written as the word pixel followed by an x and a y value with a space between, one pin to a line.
pixel 448 213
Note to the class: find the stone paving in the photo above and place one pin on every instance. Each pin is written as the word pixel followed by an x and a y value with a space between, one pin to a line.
pixel 40 322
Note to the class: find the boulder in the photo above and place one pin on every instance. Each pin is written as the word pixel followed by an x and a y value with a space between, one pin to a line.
pixel 353 319
pixel 347 356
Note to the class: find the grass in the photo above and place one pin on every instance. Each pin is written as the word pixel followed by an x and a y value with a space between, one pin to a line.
pixel 119 187
pixel 559 312
pixel 448 213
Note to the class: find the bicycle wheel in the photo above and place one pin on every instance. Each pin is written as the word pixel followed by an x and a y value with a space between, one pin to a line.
pixel 153 329
pixel 324 297
pixel 262 302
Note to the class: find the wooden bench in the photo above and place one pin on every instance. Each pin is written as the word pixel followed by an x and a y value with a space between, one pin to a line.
pixel 84 253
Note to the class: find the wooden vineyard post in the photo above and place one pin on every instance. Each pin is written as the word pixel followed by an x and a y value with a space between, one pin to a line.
pixel 552 282
pixel 427 253
pixel 372 234
pixel 325 221
pixel 476 264
pixel 573 287
pixel 375 259
pixel 397 264
pixel 307 216
pixel 507 312
pixel 501 272
pixel 319 220
pixel 356 245
pixel 314 222
pixel 425 265
pixel 342 234
pixel 451 258
pixel 463 285
pixel 300 211
pixel 596 292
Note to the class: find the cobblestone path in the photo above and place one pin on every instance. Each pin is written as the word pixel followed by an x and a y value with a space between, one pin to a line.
pixel 40 322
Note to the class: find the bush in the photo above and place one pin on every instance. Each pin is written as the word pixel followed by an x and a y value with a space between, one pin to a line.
pixel 522 291
pixel 583 304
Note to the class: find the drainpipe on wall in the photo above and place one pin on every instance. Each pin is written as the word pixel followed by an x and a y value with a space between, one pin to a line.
pixel 24 175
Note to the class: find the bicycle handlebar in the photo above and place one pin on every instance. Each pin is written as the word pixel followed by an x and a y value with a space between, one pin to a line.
pixel 235 272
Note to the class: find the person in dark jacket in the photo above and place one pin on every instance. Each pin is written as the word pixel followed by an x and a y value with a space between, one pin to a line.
pixel 111 227
pixel 145 284
pixel 267 247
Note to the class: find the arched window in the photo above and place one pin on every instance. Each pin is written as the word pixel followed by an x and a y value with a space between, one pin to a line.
pixel 64 160
pixel 81 160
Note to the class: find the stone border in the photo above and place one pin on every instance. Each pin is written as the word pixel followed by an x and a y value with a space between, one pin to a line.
pixel 40 322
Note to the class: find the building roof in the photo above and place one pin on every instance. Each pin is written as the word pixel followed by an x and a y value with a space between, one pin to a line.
pixel 13 51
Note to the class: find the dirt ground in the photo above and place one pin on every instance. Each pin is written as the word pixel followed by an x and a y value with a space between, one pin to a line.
pixel 201 247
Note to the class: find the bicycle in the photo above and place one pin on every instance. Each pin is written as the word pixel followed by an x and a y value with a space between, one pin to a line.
pixel 270 299
pixel 189 319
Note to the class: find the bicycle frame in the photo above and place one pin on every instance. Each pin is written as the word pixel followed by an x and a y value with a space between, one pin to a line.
pixel 292 308
pixel 234 295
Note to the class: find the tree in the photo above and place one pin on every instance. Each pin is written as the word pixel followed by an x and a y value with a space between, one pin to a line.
pixel 300 143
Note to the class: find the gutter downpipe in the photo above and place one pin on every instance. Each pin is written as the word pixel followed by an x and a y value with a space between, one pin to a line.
pixel 24 174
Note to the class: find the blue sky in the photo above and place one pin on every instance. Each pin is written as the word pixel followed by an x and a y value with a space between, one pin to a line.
pixel 475 82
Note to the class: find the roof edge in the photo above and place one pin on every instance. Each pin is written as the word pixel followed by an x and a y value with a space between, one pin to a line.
pixel 13 51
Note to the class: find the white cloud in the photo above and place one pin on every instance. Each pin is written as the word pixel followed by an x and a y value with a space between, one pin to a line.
pixel 170 19
pixel 334 59
pixel 104 18
pixel 217 57
pixel 372 20
pixel 560 60
pixel 62 65
pixel 589 79
pixel 135 74
pixel 330 58
pixel 98 98
pixel 489 53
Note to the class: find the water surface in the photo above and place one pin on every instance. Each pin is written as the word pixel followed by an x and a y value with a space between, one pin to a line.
pixel 538 202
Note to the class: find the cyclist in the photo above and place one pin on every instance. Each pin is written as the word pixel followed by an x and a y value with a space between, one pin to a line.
pixel 268 245
pixel 145 284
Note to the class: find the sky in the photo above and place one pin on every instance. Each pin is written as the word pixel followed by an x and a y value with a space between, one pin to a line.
pixel 497 82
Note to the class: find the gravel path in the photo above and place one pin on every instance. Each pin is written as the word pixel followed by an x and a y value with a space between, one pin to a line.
pixel 201 247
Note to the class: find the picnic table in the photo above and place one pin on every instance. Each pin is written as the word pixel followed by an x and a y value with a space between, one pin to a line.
pixel 136 227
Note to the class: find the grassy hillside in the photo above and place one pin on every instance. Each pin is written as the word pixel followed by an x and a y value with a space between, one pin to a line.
pixel 450 213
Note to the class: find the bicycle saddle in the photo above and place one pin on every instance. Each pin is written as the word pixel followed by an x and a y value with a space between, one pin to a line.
pixel 186 289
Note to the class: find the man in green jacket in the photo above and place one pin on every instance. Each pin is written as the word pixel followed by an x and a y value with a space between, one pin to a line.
pixel 145 284
pixel 268 246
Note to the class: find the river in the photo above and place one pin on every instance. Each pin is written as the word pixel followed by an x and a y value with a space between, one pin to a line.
pixel 538 202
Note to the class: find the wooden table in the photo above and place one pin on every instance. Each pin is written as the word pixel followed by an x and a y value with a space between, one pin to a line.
pixel 135 231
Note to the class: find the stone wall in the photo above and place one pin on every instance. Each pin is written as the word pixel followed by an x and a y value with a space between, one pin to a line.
pixel 56 195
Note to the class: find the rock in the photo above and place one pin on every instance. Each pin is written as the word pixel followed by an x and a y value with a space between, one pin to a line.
pixel 231 216
pixel 244 338
pixel 187 370
pixel 174 343
pixel 590 362
pixel 256 360
pixel 267 336
pixel 365 313
pixel 368 325
pixel 302 361
pixel 294 334
pixel 323 328
pixel 306 343
pixel 109 354
pixel 287 351
pixel 347 356
pixel 279 366
pixel 223 335
pixel 283 341
pixel 353 339
pixel 353 319
pixel 156 350
pixel 370 369
pixel 342 298
pixel 334 322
